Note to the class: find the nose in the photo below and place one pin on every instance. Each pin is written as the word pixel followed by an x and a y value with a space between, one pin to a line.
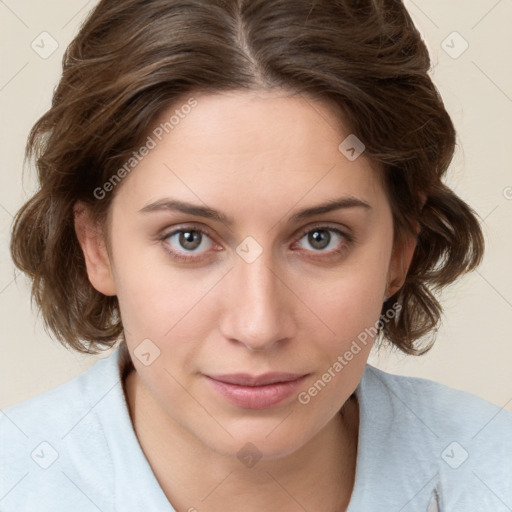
pixel 258 308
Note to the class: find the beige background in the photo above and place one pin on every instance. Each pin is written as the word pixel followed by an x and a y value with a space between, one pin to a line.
pixel 474 346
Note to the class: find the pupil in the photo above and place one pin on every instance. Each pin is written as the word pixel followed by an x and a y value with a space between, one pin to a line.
pixel 319 239
pixel 189 239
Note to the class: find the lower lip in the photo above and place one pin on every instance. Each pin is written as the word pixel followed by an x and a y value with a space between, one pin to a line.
pixel 257 397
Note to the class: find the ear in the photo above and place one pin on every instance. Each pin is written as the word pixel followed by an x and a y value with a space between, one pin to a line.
pixel 399 264
pixel 96 256
pixel 402 256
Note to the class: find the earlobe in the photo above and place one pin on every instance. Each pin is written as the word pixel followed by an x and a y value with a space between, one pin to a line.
pixel 399 265
pixel 95 252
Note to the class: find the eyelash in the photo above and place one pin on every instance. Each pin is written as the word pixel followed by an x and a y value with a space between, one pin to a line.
pixel 349 240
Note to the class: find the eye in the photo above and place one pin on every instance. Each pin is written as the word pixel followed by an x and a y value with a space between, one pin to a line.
pixel 325 239
pixel 184 243
pixel 189 244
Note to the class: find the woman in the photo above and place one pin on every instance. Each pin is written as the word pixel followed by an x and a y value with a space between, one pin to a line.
pixel 245 197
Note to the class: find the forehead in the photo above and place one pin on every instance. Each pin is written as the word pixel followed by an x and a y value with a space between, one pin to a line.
pixel 255 144
pixel 245 122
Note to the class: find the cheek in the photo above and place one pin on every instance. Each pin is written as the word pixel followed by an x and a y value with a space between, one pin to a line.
pixel 350 305
pixel 169 306
pixel 174 308
pixel 350 299
pixel 152 295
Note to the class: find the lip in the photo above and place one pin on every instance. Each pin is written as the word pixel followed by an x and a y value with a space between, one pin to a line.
pixel 256 392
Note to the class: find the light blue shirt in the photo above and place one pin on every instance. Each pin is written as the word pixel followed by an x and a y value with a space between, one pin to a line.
pixel 422 447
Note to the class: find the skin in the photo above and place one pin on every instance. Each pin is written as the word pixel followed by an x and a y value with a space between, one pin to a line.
pixel 258 158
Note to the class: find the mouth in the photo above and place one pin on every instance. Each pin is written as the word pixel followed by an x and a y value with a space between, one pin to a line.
pixel 245 379
pixel 256 392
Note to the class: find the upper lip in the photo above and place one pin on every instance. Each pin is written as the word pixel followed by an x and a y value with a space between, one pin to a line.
pixel 246 379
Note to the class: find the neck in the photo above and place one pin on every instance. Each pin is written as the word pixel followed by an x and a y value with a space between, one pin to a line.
pixel 318 476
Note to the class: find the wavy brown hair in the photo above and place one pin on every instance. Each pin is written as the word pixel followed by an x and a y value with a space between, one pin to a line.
pixel 134 58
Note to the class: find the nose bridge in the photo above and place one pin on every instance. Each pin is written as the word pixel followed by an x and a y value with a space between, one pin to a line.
pixel 257 310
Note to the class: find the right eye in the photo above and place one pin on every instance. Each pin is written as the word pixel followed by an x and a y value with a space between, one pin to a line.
pixel 184 243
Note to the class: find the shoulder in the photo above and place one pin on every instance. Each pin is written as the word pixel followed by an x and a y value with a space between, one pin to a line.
pixel 436 438
pixel 61 408
pixel 447 409
pixel 53 441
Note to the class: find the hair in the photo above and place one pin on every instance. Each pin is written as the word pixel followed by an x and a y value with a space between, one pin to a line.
pixel 131 60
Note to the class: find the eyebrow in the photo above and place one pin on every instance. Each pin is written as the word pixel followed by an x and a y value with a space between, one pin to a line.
pixel 168 204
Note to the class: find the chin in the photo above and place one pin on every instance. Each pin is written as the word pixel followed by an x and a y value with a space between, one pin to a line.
pixel 259 440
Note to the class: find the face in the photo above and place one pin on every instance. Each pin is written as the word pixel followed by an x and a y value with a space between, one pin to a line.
pixel 238 293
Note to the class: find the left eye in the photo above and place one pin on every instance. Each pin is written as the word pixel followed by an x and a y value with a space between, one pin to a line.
pixel 322 239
